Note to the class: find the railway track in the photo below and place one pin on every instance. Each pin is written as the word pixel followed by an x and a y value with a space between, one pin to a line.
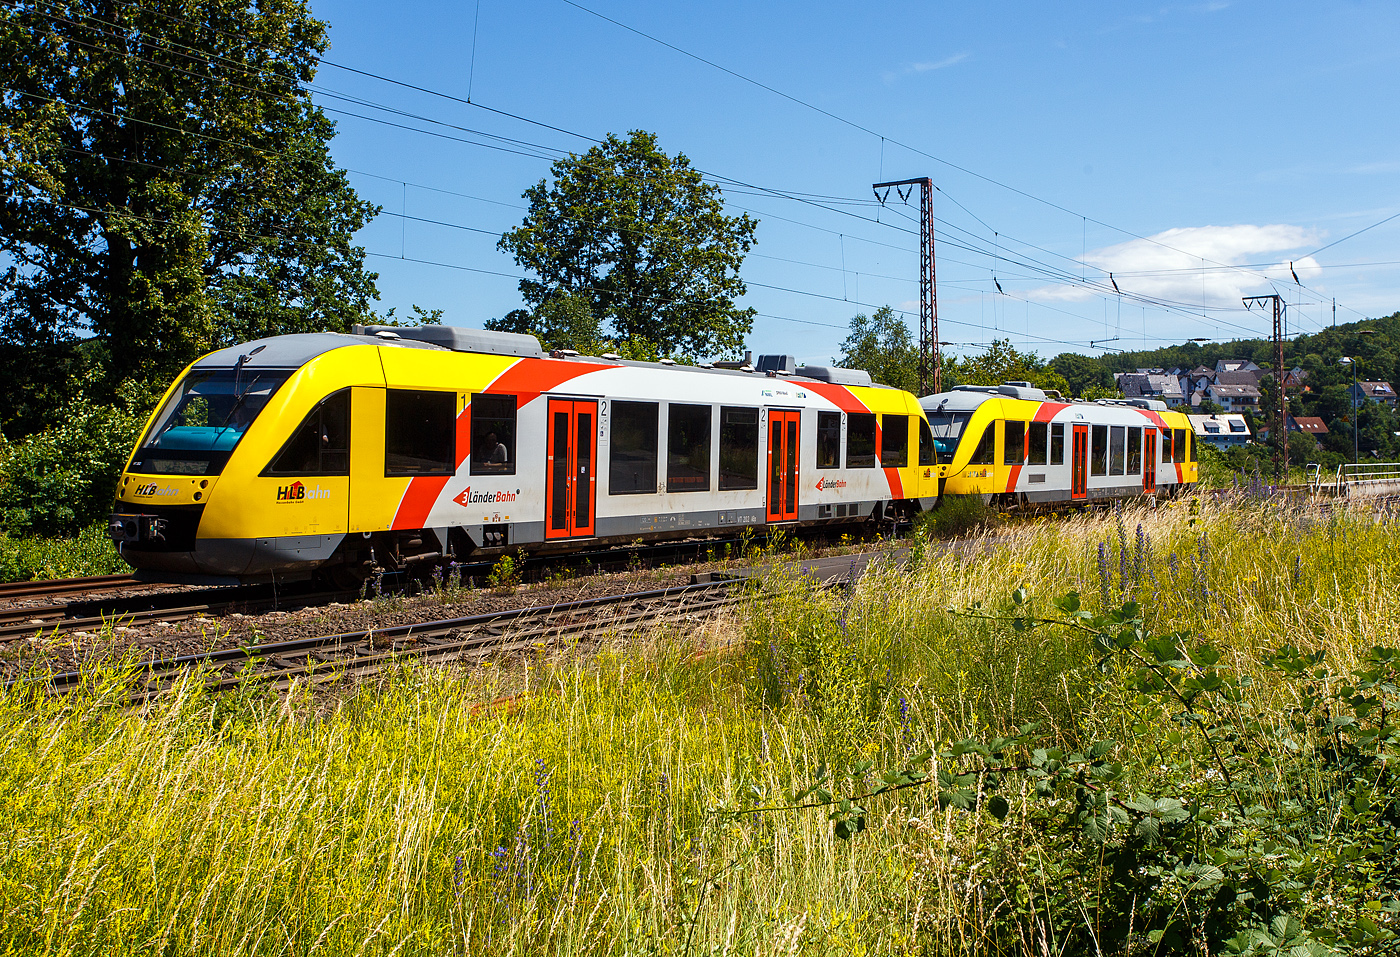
pixel 51 588
pixel 70 617
pixel 81 615
pixel 359 654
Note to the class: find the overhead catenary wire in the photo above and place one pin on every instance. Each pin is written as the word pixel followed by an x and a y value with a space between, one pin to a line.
pixel 760 190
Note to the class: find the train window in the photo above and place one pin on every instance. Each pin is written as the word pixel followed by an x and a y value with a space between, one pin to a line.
pixel 1166 442
pixel 688 448
pixel 828 440
pixel 1057 443
pixel 928 448
pixel 1117 445
pixel 321 444
pixel 632 444
pixel 894 441
pixel 947 429
pixel 1038 445
pixel 1098 453
pixel 493 434
pixel 420 432
pixel 204 419
pixel 1014 452
pixel 1135 451
pixel 860 440
pixel 986 451
pixel 1191 447
pixel 738 449
pixel 1178 445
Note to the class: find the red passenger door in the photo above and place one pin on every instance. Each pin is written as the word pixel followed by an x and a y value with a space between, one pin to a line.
pixel 783 429
pixel 1079 463
pixel 1149 461
pixel 570 478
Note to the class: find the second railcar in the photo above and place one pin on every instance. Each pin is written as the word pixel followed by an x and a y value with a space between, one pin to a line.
pixel 1019 446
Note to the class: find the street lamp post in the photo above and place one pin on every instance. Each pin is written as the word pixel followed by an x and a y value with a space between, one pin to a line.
pixel 1355 410
pixel 1356 399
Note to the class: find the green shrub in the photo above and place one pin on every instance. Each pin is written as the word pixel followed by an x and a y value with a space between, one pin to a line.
pixel 958 515
pixel 63 479
pixel 91 552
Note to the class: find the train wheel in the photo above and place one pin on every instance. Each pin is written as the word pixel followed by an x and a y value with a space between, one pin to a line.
pixel 346 577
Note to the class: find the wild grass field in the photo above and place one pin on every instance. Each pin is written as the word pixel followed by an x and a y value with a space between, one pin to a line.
pixel 1150 775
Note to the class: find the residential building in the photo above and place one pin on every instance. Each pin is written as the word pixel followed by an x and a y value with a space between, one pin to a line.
pixel 1237 365
pixel 1295 380
pixel 1146 385
pixel 1371 391
pixel 1310 424
pixel 1222 431
pixel 1234 391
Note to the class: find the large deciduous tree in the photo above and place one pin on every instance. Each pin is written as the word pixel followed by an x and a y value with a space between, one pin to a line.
pixel 168 186
pixel 882 345
pixel 1003 362
pixel 631 244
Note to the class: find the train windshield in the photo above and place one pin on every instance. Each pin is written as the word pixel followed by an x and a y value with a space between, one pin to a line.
pixel 947 428
pixel 203 420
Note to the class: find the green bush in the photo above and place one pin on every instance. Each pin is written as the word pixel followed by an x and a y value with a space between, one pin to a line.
pixel 91 552
pixel 958 515
pixel 63 479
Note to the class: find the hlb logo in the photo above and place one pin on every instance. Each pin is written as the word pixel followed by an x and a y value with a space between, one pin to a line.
pixel 297 492
pixel 152 488
pixel 467 497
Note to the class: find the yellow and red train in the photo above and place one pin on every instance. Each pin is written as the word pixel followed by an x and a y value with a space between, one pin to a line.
pixel 330 453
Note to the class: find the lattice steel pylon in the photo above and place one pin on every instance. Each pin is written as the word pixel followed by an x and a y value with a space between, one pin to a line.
pixel 930 359
pixel 1281 416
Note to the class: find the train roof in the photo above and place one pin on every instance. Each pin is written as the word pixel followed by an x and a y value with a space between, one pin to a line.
pixel 966 398
pixel 295 350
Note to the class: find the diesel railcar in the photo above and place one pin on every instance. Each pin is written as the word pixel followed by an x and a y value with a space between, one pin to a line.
pixel 1018 446
pixel 395 447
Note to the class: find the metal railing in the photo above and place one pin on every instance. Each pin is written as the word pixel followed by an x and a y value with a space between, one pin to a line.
pixel 1368 478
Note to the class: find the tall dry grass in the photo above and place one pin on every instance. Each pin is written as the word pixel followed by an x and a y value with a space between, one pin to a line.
pixel 590 818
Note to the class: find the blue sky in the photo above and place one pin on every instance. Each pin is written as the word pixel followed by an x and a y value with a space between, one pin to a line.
pixel 1193 150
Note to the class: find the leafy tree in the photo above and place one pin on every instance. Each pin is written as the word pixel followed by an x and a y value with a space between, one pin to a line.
pixel 643 242
pixel 1002 362
pixel 169 185
pixel 883 346
pixel 1082 373
pixel 1208 407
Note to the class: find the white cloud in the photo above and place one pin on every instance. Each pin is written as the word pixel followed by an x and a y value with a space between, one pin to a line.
pixel 1169 265
pixel 939 64
pixel 926 67
pixel 1365 169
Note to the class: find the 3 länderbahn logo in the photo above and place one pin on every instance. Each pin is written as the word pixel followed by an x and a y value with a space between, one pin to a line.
pixel 468 497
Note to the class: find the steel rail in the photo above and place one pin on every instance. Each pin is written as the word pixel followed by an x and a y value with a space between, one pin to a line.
pixel 364 652
pixel 47 588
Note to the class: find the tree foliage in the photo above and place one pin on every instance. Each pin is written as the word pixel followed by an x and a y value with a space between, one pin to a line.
pixel 882 345
pixel 62 479
pixel 1002 362
pixel 629 243
pixel 168 185
pixel 1084 375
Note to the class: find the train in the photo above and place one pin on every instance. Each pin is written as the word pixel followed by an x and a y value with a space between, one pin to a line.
pixel 335 454
pixel 1021 447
